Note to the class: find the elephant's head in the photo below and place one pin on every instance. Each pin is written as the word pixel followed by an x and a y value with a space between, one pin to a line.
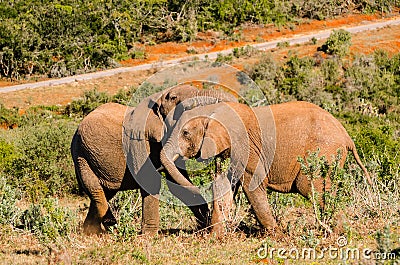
pixel 203 137
pixel 174 96
pixel 208 131
pixel 146 125
pixel 185 97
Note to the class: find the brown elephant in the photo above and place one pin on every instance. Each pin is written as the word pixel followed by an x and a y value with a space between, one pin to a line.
pixel 97 150
pixel 264 144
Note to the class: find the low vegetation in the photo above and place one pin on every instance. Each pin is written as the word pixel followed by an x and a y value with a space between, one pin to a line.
pixel 40 203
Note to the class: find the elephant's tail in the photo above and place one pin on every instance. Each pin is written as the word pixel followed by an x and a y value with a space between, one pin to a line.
pixel 352 147
pixel 74 153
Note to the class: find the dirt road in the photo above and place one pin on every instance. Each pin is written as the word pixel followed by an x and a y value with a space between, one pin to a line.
pixel 298 39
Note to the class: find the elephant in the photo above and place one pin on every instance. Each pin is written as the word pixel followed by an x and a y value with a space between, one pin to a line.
pixel 101 167
pixel 264 144
pixel 100 164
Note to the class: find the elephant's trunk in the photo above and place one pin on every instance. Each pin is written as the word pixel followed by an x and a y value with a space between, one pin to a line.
pixel 167 156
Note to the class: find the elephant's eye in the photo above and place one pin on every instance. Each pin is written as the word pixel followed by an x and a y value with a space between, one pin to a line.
pixel 170 97
pixel 185 133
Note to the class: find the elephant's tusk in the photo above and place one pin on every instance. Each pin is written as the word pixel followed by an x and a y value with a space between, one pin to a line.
pixel 173 160
pixel 175 157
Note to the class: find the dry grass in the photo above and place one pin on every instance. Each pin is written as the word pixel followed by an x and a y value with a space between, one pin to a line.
pixel 370 210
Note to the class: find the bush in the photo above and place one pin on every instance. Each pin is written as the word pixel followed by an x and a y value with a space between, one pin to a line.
pixel 317 167
pixel 7 154
pixel 49 222
pixel 42 164
pixel 380 145
pixel 338 43
pixel 9 118
pixel 91 100
pixel 127 209
pixel 9 212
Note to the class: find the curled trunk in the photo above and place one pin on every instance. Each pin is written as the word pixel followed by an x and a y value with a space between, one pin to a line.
pixel 167 156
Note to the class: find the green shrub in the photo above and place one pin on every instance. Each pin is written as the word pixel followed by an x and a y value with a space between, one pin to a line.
pixel 42 164
pixel 50 222
pixel 9 212
pixel 380 145
pixel 317 167
pixel 295 77
pixel 127 209
pixel 338 43
pixel 123 96
pixel 7 154
pixel 9 118
pixel 91 100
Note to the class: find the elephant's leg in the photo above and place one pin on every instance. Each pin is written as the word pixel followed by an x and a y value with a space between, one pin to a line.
pixel 150 213
pixel 222 201
pixel 259 201
pixel 97 210
pixel 98 202
pixel 149 181
pixel 109 218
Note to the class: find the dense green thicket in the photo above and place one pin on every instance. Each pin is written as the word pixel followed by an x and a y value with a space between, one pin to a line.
pixel 61 38
pixel 35 155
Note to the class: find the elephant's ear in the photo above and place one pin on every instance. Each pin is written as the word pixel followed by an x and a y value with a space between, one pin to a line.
pixel 235 132
pixel 266 123
pixel 252 136
pixel 154 105
pixel 139 127
pixel 137 124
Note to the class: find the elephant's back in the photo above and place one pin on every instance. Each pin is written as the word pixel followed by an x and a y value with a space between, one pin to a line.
pixel 100 135
pixel 103 125
pixel 301 127
pixel 309 124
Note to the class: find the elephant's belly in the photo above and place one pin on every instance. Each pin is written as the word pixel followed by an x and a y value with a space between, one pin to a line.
pixel 282 174
pixel 281 187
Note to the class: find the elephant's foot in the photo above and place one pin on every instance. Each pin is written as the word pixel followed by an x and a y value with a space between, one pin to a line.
pixel 273 232
pixel 218 230
pixel 150 231
pixel 223 206
pixel 151 215
pixel 202 214
pixel 92 227
pixel 109 219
